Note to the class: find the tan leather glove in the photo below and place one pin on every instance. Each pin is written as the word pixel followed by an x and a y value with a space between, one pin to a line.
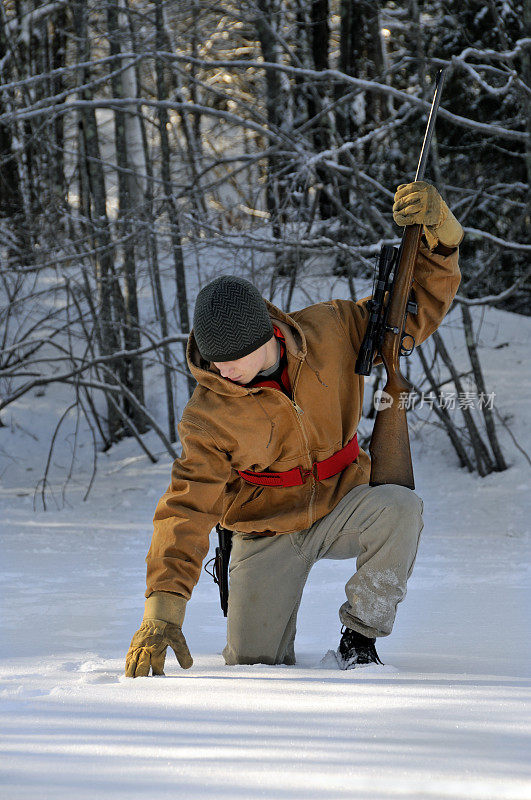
pixel 148 645
pixel 419 203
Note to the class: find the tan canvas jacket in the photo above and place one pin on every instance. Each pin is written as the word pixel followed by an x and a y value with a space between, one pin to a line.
pixel 226 427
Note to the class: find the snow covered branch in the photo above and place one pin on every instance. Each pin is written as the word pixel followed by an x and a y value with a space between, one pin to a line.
pixel 491 299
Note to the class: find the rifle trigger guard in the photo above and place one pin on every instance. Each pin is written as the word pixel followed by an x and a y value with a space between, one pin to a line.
pixel 406 351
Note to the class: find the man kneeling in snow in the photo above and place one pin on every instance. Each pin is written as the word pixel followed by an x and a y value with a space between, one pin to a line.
pixel 277 394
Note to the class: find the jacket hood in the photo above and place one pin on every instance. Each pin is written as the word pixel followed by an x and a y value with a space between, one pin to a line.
pixel 206 374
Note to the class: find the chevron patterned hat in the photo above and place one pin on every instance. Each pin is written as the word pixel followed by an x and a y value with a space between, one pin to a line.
pixel 230 319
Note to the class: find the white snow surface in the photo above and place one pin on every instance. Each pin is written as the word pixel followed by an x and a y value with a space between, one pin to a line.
pixel 447 717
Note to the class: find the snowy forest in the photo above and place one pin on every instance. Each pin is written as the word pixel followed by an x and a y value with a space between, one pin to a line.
pixel 147 147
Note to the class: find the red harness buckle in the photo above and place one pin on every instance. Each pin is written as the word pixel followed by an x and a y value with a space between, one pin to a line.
pixel 309 473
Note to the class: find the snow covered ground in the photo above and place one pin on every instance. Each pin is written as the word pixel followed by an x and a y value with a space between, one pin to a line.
pixel 448 717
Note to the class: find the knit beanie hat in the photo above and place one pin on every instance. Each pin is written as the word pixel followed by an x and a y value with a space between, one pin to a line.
pixel 230 319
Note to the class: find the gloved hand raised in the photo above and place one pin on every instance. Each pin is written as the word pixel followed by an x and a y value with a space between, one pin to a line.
pixel 150 642
pixel 419 203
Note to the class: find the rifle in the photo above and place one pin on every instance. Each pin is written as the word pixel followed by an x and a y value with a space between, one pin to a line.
pixel 385 334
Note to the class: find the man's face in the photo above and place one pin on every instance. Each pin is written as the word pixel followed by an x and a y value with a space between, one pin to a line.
pixel 243 370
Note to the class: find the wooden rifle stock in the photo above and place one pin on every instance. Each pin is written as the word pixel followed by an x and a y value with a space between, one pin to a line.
pixel 389 447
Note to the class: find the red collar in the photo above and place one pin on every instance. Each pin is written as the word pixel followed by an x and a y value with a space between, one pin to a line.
pixel 272 381
pixel 278 334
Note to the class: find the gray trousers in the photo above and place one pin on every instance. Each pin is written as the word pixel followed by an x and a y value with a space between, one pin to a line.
pixel 380 526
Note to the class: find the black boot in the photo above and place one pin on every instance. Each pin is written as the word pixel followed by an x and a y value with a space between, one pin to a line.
pixel 356 650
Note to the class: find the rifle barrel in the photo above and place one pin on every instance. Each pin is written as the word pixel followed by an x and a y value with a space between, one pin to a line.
pixel 439 83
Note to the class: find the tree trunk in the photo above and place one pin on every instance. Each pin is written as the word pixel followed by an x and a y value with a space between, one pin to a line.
pixel 128 193
pixel 445 418
pixel 190 135
pixel 171 207
pixel 99 222
pixel 320 132
pixel 526 65
pixel 11 200
pixel 14 197
pixel 267 17
pixel 480 383
pixel 483 460
pixel 154 266
pixel 57 61
pixel 194 46
pixel 361 55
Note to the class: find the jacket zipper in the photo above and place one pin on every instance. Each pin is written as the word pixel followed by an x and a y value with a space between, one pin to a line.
pixel 298 411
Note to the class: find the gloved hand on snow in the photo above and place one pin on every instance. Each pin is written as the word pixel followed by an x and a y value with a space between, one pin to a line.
pixel 149 644
pixel 419 203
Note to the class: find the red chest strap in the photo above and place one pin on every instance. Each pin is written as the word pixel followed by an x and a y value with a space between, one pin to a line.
pixel 321 470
